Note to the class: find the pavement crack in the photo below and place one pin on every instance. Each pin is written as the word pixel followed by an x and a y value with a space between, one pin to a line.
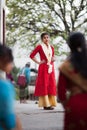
pixel 37 113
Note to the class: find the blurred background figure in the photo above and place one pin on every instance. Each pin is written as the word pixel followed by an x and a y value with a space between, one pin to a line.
pixel 9 76
pixel 8 118
pixel 72 85
pixel 31 86
pixel 23 89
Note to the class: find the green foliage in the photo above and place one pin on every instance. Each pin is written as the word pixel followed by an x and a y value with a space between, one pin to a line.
pixel 17 93
pixel 15 72
pixel 27 19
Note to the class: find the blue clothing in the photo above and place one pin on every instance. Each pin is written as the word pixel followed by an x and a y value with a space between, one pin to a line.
pixel 7 114
pixel 26 72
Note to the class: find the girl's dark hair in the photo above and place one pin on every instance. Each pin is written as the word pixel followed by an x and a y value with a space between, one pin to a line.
pixel 78 56
pixel 43 34
pixel 5 54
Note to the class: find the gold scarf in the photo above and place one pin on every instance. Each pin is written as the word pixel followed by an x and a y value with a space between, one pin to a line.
pixel 48 53
pixel 68 70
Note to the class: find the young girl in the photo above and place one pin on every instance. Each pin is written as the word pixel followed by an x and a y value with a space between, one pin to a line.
pixel 45 84
pixel 8 118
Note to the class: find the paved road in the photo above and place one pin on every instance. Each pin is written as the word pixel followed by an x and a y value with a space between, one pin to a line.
pixel 34 118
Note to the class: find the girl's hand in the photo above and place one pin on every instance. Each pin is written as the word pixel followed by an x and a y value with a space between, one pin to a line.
pixel 41 62
pixel 53 59
pixel 18 124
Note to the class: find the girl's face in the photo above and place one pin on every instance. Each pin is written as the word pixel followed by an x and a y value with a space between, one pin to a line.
pixel 9 67
pixel 46 39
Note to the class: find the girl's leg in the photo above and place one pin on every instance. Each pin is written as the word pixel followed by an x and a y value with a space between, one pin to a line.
pixel 25 95
pixel 47 102
pixel 22 95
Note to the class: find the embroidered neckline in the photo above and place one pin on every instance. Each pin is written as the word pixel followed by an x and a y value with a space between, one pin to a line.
pixel 47 51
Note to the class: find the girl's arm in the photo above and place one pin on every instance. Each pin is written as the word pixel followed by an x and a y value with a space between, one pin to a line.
pixel 33 53
pixel 62 88
pixel 53 57
pixel 35 60
pixel 18 124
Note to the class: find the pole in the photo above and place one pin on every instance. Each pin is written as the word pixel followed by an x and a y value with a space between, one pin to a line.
pixel 2 29
pixel 2 21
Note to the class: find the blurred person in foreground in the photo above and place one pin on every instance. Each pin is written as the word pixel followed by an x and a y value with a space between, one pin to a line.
pixel 72 85
pixel 45 84
pixel 8 118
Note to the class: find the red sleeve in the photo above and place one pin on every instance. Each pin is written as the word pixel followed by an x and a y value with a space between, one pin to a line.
pixel 35 51
pixel 62 85
pixel 52 50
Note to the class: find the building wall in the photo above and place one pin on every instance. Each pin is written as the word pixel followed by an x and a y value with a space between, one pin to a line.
pixel 2 29
pixel 2 21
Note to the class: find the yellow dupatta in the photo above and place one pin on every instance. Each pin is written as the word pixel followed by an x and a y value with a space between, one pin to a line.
pixel 48 53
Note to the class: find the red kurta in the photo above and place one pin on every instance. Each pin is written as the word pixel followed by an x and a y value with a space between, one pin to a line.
pixel 45 83
pixel 76 106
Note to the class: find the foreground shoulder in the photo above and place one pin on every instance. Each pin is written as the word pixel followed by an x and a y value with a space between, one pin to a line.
pixel 64 65
pixel 5 84
pixel 6 88
pixel 67 64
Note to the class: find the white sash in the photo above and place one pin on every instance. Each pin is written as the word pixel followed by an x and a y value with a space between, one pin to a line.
pixel 48 53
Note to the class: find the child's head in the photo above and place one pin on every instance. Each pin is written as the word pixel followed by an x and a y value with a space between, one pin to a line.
pixel 6 59
pixel 45 38
pixel 27 64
